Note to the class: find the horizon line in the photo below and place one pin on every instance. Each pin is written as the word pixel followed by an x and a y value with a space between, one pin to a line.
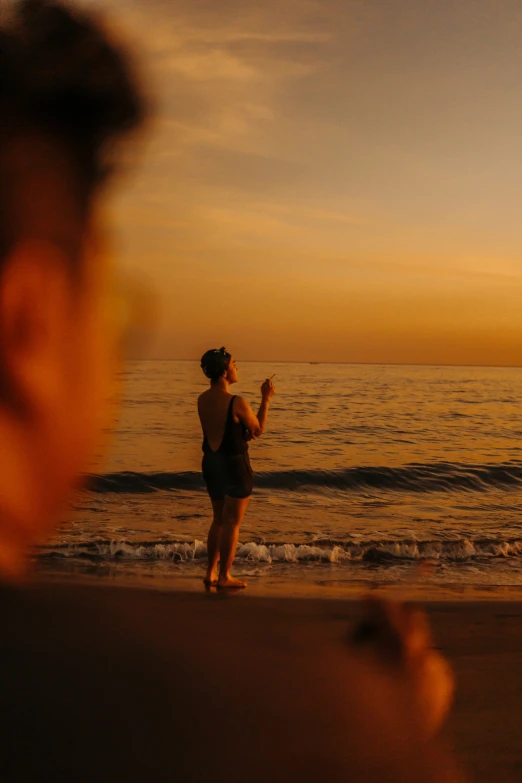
pixel 355 364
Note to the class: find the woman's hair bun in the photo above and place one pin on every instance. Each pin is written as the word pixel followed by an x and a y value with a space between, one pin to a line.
pixel 214 363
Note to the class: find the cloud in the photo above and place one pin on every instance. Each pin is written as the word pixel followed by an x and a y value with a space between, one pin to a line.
pixel 219 70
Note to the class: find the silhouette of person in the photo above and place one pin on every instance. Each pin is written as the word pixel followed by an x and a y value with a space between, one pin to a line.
pixel 228 423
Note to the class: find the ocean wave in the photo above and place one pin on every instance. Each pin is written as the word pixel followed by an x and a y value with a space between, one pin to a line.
pixel 323 551
pixel 413 477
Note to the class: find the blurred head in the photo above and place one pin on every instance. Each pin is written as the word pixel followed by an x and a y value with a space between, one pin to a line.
pixel 218 363
pixel 67 98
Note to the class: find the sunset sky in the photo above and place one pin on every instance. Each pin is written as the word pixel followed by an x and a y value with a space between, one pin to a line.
pixel 331 180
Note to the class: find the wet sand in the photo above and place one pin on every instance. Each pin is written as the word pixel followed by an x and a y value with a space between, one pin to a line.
pixel 482 639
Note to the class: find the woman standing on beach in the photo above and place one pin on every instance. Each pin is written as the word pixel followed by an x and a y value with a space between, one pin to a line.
pixel 228 423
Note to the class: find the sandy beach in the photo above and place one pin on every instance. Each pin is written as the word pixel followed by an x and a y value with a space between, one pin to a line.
pixel 482 639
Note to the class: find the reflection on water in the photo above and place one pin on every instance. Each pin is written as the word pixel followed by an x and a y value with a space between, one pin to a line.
pixel 329 416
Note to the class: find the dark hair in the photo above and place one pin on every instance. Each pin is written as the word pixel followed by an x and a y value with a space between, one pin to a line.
pixel 64 83
pixel 214 363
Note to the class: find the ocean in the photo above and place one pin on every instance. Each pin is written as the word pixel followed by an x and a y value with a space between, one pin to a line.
pixel 367 475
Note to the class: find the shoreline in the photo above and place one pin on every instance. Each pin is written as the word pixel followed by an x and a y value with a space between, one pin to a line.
pixel 284 587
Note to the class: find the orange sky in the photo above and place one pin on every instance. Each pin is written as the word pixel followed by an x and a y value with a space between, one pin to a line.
pixel 331 180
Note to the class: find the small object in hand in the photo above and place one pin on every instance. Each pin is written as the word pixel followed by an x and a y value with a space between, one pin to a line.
pixel 267 389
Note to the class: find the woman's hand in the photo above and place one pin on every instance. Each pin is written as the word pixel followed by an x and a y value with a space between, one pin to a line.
pixel 267 390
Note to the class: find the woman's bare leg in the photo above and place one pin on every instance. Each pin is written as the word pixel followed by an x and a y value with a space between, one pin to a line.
pixel 233 513
pixel 213 542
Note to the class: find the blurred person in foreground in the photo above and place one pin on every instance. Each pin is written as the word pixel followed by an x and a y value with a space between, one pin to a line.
pixel 101 684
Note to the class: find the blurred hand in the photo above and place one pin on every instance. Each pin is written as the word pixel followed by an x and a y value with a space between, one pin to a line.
pixel 267 390
pixel 399 638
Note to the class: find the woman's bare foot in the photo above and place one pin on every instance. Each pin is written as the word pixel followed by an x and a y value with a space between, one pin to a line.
pixel 211 578
pixel 231 583
pixel 399 636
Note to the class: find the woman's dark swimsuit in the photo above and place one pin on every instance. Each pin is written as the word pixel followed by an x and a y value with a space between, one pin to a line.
pixel 227 471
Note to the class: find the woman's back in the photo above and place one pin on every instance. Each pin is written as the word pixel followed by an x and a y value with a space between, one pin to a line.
pixel 219 424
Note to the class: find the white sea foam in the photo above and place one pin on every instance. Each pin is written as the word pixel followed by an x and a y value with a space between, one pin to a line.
pixel 288 552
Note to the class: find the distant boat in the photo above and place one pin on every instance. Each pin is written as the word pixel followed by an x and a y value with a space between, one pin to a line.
pixel 314 362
